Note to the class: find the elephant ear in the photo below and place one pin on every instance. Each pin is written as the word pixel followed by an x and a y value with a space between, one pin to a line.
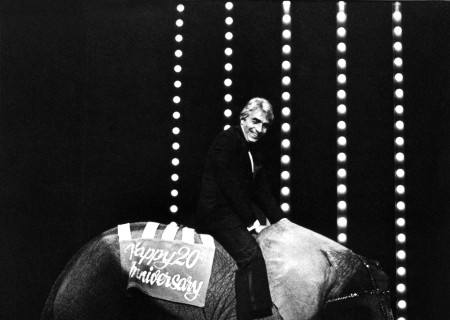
pixel 300 271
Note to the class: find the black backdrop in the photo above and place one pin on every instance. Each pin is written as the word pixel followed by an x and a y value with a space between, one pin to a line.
pixel 86 118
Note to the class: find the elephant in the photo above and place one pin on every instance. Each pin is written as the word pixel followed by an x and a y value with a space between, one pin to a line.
pixel 310 276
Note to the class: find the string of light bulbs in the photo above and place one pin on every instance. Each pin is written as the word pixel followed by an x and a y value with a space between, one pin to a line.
pixel 228 65
pixel 399 145
pixel 285 185
pixel 341 95
pixel 176 115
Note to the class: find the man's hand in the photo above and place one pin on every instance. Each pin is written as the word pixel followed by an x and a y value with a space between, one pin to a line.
pixel 256 226
pixel 260 228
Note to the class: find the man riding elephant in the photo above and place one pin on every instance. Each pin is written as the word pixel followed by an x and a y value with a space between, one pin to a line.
pixel 306 275
pixel 234 189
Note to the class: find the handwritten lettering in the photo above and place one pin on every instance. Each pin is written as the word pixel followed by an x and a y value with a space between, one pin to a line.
pixel 162 258
pixel 176 282
pixel 175 271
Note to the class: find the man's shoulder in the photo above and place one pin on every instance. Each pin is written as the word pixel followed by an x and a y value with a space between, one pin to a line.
pixel 230 134
pixel 232 131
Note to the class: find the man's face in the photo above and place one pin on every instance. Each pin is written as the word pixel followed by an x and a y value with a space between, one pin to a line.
pixel 255 125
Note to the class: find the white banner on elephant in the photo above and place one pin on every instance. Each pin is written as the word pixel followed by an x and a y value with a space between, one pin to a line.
pixel 172 270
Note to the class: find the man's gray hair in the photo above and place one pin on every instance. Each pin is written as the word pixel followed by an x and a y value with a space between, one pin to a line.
pixel 258 103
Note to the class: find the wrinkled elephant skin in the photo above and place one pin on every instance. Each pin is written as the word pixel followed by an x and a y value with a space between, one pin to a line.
pixel 305 269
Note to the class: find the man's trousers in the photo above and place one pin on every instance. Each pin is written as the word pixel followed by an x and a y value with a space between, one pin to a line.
pixel 252 286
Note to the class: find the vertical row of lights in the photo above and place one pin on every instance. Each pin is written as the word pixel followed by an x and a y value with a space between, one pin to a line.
pixel 228 65
pixel 285 191
pixel 176 105
pixel 341 83
pixel 399 144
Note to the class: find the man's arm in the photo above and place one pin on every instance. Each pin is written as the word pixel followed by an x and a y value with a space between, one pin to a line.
pixel 265 200
pixel 226 165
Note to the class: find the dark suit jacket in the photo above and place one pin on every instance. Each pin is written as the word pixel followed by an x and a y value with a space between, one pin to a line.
pixel 231 194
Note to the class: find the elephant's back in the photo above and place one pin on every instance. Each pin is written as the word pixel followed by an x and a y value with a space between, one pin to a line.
pixel 79 291
pixel 93 285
